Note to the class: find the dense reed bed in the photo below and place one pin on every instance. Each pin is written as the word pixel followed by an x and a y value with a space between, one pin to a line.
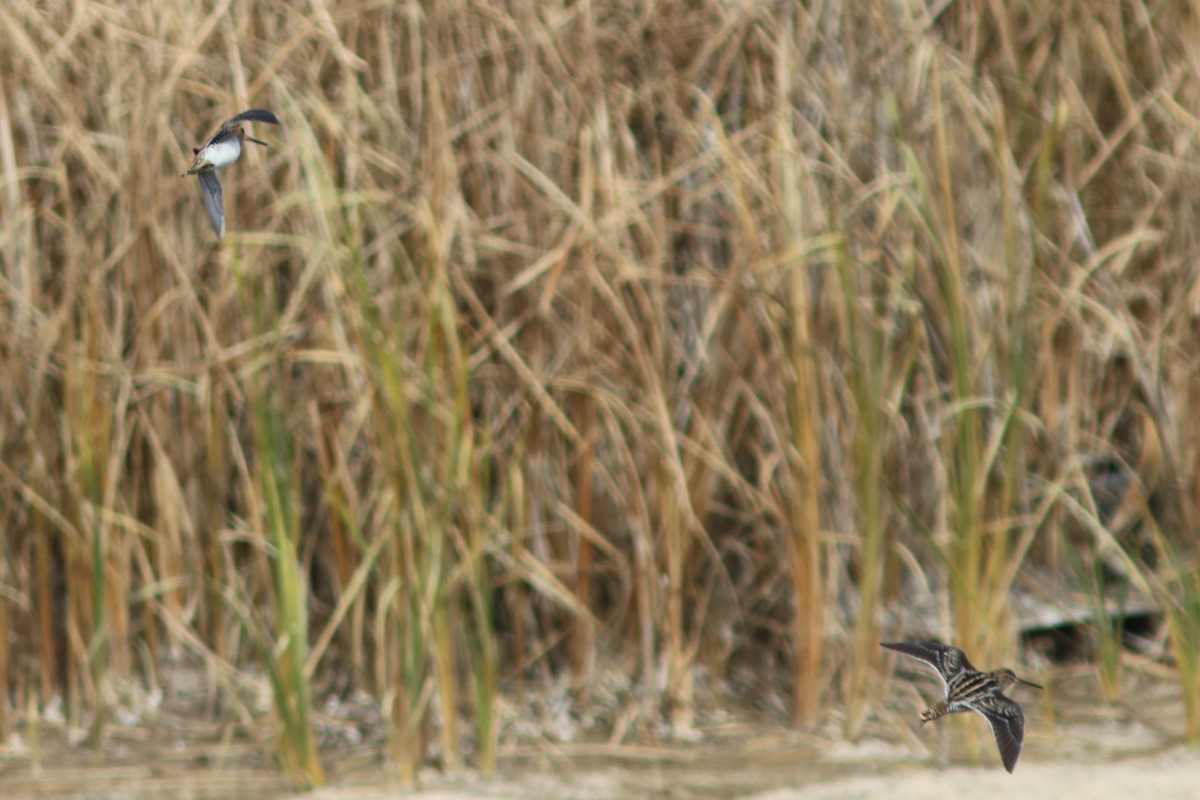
pixel 686 347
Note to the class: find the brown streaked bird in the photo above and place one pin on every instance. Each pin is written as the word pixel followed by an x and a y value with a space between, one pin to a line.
pixel 220 151
pixel 968 689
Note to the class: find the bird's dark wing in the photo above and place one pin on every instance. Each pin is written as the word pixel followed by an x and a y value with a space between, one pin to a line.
pixel 947 661
pixel 253 115
pixel 210 188
pixel 1008 726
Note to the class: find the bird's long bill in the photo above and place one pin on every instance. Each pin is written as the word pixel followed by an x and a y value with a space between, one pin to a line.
pixel 1031 683
pixel 257 141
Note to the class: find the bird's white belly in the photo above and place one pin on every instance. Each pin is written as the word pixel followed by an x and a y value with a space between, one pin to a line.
pixel 222 154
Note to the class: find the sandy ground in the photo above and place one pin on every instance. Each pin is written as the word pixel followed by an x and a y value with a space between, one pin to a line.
pixel 1074 748
pixel 1170 775
pixel 1173 774
pixel 870 770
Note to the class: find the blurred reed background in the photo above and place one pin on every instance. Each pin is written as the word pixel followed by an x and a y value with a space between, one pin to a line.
pixel 685 348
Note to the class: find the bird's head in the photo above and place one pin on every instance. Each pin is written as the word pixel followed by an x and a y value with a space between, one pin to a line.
pixel 1006 678
pixel 240 132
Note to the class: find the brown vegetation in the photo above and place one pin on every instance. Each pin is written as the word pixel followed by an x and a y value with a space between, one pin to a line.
pixel 559 337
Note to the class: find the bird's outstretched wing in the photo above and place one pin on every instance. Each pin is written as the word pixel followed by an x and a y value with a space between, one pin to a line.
pixel 1008 726
pixel 945 660
pixel 253 115
pixel 210 188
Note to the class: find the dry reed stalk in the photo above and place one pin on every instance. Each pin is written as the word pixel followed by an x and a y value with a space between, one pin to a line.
pixel 285 661
pixel 803 508
pixel 5 651
pixel 583 466
pixel 963 449
pixel 47 653
pixel 865 376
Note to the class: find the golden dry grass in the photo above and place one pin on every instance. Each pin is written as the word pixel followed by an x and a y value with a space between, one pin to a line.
pixel 547 334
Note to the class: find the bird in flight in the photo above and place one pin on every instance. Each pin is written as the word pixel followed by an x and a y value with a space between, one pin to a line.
pixel 220 151
pixel 968 689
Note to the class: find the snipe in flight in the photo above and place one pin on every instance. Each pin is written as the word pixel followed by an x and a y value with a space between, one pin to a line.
pixel 220 151
pixel 968 689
